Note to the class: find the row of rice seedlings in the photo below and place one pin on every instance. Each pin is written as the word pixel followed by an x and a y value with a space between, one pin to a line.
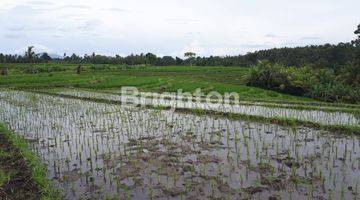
pixel 329 107
pixel 96 149
pixel 317 116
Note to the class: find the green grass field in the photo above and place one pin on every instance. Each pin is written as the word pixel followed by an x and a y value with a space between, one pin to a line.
pixel 155 79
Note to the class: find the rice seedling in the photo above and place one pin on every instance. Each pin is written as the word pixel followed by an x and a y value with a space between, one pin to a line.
pixel 103 150
pixel 326 116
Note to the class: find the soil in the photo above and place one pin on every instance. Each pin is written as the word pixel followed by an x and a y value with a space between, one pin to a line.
pixel 20 186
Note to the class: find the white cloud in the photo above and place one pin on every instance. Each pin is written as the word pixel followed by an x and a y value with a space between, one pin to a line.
pixel 227 27
pixel 13 36
pixel 42 48
pixel 195 46
pixel 38 48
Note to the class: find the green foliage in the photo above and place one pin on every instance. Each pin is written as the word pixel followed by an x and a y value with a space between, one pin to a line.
pixel 357 31
pixel 190 56
pixel 322 84
pixel 356 42
pixel 351 73
pixel 30 53
pixel 276 77
pixel 329 56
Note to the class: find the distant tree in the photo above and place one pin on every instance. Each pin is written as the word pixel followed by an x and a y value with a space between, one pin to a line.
pixel 64 57
pixel 130 59
pixel 150 58
pixel 356 42
pixel 165 61
pixel 30 54
pixel 30 57
pixel 45 57
pixel 75 58
pixel 352 71
pixel 118 60
pixel 178 61
pixel 331 56
pixel 358 30
pixel 93 56
pixel 190 56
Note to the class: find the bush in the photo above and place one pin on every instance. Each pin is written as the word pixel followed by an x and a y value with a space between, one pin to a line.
pixel 322 84
pixel 351 74
pixel 275 77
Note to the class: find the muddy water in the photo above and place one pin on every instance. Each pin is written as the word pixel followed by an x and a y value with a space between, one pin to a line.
pixel 326 118
pixel 95 150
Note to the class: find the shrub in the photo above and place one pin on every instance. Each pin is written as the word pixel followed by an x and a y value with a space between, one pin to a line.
pixel 322 84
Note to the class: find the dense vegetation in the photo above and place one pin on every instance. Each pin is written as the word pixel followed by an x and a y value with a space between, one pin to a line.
pixel 327 84
pixel 323 84
pixel 330 56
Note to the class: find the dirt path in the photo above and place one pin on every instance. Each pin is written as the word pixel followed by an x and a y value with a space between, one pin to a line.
pixel 17 183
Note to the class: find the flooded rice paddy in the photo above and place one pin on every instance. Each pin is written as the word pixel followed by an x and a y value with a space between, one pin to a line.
pixel 98 150
pixel 317 116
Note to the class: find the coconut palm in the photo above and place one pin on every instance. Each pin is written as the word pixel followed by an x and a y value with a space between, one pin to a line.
pixel 358 30
pixel 29 54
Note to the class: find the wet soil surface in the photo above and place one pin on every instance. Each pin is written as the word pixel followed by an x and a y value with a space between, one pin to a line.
pixel 20 185
pixel 97 150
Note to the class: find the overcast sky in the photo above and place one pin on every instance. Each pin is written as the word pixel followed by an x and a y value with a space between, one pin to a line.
pixel 171 27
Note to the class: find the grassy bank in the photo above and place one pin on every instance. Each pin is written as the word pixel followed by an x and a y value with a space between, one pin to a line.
pixel 32 171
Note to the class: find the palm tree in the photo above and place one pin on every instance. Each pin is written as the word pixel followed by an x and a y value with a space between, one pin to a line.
pixel 356 42
pixel 358 30
pixel 30 53
pixel 30 56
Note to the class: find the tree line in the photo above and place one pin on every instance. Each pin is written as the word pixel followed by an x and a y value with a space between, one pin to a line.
pixel 321 56
pixel 339 82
